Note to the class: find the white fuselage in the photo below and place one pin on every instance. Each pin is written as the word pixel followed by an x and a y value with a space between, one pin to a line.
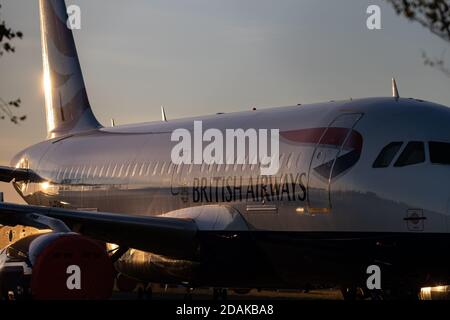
pixel 129 169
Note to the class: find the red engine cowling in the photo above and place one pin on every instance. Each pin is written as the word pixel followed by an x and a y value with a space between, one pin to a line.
pixel 64 266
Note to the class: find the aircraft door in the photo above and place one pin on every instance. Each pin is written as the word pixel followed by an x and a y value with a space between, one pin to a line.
pixel 178 185
pixel 323 159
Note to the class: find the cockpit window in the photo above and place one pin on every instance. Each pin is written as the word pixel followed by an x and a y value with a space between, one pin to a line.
pixel 414 153
pixel 387 154
pixel 439 152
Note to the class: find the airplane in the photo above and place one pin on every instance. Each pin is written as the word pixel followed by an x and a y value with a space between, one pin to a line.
pixel 360 182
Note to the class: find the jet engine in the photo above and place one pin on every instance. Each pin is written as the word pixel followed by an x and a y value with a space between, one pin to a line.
pixel 56 265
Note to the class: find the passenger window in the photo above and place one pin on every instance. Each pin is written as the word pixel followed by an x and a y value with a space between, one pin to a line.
pixel 108 167
pixel 244 165
pixel 120 171
pixel 58 175
pixel 127 172
pixel 387 154
pixel 281 160
pixel 163 168
pixel 70 174
pixel 299 158
pixel 113 174
pixel 76 173
pixel 254 163
pixel 156 168
pixel 289 161
pixel 439 152
pixel 414 153
pixel 149 165
pixel 64 176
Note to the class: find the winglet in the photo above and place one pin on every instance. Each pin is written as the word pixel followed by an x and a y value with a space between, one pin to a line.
pixel 395 90
pixel 113 122
pixel 163 114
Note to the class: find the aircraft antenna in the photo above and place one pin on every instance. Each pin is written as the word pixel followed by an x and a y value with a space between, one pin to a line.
pixel 395 89
pixel 163 114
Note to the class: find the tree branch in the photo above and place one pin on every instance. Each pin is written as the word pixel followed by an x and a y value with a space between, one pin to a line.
pixel 6 36
pixel 432 14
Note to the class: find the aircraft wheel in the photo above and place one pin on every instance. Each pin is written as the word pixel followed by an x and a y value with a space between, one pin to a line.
pixel 149 292
pixel 224 294
pixel 220 294
pixel 188 294
pixel 402 293
pixel 349 293
pixel 140 292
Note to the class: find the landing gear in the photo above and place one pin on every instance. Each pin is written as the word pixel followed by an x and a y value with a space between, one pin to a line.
pixel 145 292
pixel 220 294
pixel 352 293
pixel 140 293
pixel 398 293
pixel 148 292
pixel 348 293
pixel 375 295
pixel 188 294
pixel 242 291
pixel 402 293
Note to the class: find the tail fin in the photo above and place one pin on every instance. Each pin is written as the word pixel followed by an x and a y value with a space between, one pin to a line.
pixel 66 102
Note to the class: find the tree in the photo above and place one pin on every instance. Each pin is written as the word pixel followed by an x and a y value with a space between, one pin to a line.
pixel 433 15
pixel 7 36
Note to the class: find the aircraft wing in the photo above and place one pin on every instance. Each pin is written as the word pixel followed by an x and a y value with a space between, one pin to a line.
pixel 173 237
pixel 8 174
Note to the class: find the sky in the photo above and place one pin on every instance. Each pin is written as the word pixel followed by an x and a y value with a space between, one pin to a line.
pixel 200 57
